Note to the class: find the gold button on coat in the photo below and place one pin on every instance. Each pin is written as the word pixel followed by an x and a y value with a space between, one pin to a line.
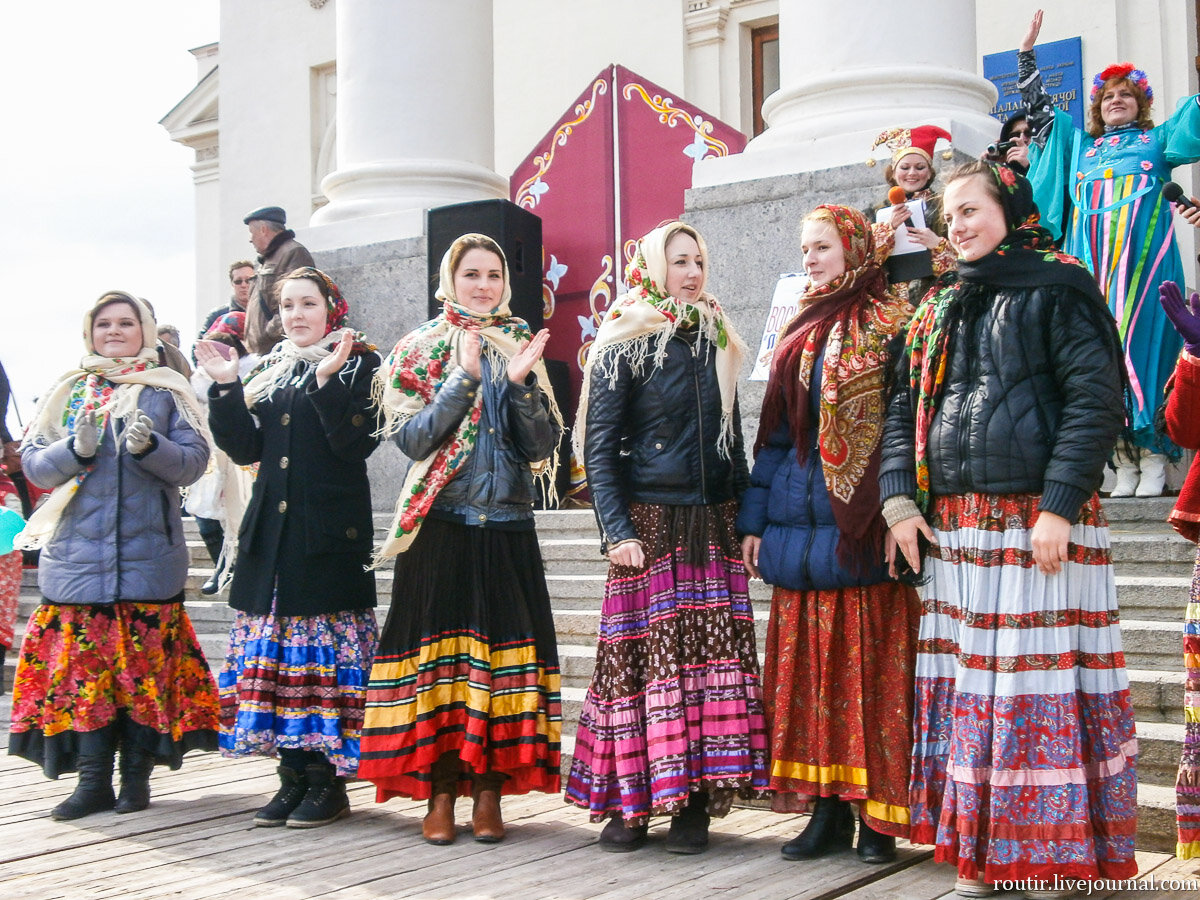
pixel 285 419
pixel 283 462
pixel 357 420
pixel 351 532
pixel 482 517
pixel 283 506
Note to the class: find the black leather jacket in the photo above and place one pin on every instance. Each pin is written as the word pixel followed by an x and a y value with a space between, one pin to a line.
pixel 494 484
pixel 652 437
pixel 1032 404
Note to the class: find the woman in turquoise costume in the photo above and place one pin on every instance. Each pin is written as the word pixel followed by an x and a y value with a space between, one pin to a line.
pixel 1101 191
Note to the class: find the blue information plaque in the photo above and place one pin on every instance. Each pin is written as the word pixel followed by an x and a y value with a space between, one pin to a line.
pixel 1061 63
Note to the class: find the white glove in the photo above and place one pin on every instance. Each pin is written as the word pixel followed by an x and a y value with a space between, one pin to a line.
pixel 138 433
pixel 87 435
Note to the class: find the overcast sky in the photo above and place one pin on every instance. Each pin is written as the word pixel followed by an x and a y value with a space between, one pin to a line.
pixel 96 195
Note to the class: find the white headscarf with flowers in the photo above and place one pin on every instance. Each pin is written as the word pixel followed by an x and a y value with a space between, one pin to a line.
pixel 108 387
pixel 639 324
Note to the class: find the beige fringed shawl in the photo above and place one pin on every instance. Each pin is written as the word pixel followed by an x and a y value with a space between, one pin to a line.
pixel 639 324
pixel 109 387
pixel 415 371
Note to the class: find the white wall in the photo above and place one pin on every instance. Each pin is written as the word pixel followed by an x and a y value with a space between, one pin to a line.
pixel 546 52
pixel 268 49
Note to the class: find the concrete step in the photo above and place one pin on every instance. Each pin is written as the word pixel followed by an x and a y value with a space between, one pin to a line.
pixel 1160 746
pixel 1151 644
pixel 1156 818
pixel 1162 597
pixel 1150 511
pixel 1157 696
pixel 1152 547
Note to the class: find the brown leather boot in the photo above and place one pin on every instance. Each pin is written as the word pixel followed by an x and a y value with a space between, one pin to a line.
pixel 485 814
pixel 438 827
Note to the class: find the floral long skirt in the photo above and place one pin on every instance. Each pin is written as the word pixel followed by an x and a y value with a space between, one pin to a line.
pixel 675 704
pixel 467 665
pixel 10 595
pixel 839 699
pixel 90 675
pixel 1187 786
pixel 297 683
pixel 1024 761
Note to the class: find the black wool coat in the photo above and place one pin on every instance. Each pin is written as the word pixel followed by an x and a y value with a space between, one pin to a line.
pixel 307 532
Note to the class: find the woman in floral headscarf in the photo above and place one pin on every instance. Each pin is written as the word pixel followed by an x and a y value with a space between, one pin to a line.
pixel 842 637
pixel 304 632
pixel 110 659
pixel 673 720
pixel 464 692
pixel 1102 191
pixel 1009 399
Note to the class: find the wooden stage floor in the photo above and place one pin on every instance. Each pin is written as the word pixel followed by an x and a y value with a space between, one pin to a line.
pixel 196 841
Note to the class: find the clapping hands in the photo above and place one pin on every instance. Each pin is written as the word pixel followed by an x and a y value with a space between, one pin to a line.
pixel 213 359
pixel 87 435
pixel 139 433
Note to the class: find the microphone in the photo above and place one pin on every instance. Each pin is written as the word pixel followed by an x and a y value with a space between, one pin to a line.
pixel 1174 193
pixel 896 196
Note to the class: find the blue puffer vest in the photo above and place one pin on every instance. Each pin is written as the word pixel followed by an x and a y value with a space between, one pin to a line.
pixel 787 505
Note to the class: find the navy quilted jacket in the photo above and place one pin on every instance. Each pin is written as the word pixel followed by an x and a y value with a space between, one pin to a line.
pixel 787 505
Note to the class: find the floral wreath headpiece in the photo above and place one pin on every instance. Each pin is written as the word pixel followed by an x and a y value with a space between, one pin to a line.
pixel 1126 71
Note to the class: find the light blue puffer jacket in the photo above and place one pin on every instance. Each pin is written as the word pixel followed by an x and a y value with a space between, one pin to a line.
pixel 120 536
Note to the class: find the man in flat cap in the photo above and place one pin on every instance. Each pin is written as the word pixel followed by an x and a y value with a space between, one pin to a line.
pixel 278 253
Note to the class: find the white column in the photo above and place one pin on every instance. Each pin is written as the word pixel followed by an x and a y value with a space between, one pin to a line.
pixel 847 72
pixel 704 23
pixel 415 117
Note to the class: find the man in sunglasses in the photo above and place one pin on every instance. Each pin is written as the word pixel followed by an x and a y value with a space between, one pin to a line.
pixel 241 277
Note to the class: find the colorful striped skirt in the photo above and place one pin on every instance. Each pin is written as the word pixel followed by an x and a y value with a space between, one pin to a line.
pixel 467 665
pixel 297 683
pixel 1187 787
pixel 89 676
pixel 839 699
pixel 1024 761
pixel 675 704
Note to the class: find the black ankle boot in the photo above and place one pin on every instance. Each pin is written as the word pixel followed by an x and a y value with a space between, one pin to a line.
pixel 617 838
pixel 830 829
pixel 214 543
pixel 93 793
pixel 874 847
pixel 292 788
pixel 324 802
pixel 689 829
pixel 135 766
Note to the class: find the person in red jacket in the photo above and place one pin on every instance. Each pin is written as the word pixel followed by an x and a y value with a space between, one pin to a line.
pixel 1183 427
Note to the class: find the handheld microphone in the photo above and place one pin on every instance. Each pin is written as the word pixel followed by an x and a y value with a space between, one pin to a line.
pixel 896 196
pixel 1174 193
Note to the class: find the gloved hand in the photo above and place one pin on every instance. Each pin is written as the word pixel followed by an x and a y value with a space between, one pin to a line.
pixel 1185 316
pixel 138 433
pixel 87 435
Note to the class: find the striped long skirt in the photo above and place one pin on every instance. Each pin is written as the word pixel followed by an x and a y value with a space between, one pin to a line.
pixel 1024 760
pixel 467 665
pixel 1187 787
pixel 297 683
pixel 675 704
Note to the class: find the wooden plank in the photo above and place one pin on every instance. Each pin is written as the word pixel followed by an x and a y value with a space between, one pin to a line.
pixel 926 880
pixel 307 870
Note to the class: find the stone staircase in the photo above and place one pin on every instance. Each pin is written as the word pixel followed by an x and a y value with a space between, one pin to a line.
pixel 1153 567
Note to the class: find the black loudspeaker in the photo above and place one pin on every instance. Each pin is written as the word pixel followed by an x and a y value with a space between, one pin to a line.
pixel 516 230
